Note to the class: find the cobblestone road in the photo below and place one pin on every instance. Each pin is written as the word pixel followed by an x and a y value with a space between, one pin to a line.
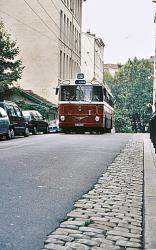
pixel 110 216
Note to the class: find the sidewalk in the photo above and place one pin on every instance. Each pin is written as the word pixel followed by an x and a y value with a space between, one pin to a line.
pixel 149 195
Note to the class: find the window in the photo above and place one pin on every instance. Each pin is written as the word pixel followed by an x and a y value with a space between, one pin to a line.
pixel 61 23
pixel 18 112
pixel 79 44
pixel 72 5
pixel 97 94
pixel 75 39
pixel 81 93
pixel 68 3
pixel 60 64
pixel 64 31
pixel 67 67
pixel 67 31
pixel 10 110
pixel 64 66
pixel 70 35
pixel 108 98
pixel 70 68
pixel 38 115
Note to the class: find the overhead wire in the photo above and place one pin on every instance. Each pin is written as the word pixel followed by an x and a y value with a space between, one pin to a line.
pixel 65 33
pixel 27 25
pixel 74 34
pixel 41 19
pixel 58 25
pixel 55 24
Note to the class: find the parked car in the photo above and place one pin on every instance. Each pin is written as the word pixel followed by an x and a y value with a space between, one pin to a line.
pixel 36 123
pixel 54 126
pixel 6 128
pixel 18 125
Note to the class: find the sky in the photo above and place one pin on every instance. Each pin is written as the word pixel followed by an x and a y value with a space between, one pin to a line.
pixel 126 27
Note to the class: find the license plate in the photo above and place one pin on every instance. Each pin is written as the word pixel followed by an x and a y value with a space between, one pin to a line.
pixel 79 125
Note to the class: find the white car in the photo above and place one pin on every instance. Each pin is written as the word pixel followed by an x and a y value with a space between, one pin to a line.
pixel 54 126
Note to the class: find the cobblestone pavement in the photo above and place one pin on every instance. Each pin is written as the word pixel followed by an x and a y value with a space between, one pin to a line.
pixel 110 216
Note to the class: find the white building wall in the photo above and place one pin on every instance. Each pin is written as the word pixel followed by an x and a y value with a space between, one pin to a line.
pixel 92 52
pixel 87 55
pixel 35 24
pixel 111 68
pixel 99 54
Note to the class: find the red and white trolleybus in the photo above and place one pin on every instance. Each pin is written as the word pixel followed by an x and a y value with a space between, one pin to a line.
pixel 84 106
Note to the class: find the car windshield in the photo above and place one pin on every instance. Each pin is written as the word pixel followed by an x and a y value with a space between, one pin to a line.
pixel 84 93
pixel 2 113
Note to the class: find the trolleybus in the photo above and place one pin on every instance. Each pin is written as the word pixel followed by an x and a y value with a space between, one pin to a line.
pixel 84 106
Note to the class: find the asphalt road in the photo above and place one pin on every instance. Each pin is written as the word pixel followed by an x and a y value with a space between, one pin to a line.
pixel 41 177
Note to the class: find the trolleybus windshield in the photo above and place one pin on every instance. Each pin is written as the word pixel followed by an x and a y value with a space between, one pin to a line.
pixel 84 93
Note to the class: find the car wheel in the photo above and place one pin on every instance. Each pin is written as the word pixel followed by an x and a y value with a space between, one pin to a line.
pixel 46 130
pixel 66 131
pixel 10 134
pixel 34 131
pixel 26 132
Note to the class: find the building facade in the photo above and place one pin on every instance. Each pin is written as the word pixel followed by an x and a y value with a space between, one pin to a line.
pixel 111 68
pixel 92 53
pixel 48 33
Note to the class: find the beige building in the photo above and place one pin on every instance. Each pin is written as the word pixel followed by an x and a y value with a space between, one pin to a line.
pixel 92 53
pixel 111 68
pixel 48 33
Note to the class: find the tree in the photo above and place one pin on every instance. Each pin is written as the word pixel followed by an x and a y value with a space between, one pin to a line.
pixel 132 88
pixel 10 67
pixel 108 78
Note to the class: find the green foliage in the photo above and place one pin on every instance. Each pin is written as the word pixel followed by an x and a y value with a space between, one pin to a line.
pixel 108 78
pixel 10 69
pixel 132 88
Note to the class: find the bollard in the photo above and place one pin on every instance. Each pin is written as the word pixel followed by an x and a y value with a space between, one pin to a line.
pixel 152 127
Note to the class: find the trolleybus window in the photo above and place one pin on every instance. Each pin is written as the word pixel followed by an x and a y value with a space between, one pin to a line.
pixel 97 94
pixel 70 93
pixel 85 93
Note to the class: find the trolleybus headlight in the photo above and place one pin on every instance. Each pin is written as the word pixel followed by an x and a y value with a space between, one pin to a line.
pixel 62 118
pixel 97 118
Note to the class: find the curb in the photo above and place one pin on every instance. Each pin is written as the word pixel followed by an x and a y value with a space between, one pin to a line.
pixel 149 195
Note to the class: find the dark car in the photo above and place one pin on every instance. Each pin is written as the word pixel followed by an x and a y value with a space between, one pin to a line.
pixel 36 123
pixel 152 129
pixel 5 127
pixel 18 125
